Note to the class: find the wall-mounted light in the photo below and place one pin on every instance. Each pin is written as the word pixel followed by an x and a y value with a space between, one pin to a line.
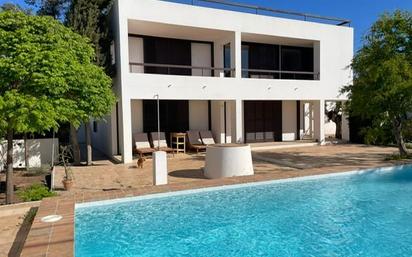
pixel 269 88
pixel 169 86
pixel 204 87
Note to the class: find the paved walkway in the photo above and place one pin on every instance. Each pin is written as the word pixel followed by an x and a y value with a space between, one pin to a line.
pixel 275 164
pixel 11 235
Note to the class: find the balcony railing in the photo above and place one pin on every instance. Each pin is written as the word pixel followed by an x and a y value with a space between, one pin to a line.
pixel 280 74
pixel 173 69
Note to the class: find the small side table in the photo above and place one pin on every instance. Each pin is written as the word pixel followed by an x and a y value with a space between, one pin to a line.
pixel 178 142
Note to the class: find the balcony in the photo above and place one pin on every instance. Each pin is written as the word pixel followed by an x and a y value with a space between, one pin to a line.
pixel 166 49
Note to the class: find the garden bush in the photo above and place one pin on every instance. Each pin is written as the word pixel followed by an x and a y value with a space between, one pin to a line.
pixel 35 192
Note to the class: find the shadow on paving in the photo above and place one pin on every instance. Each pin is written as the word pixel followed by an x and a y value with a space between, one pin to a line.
pixel 189 173
pixel 302 160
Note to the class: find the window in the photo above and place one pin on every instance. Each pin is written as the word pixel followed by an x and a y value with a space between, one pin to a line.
pixel 245 61
pixel 260 57
pixel 167 51
pixel 297 59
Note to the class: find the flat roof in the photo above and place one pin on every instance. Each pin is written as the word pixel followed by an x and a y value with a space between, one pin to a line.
pixel 260 10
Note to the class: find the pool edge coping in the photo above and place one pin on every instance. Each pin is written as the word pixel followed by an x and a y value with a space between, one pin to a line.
pixel 231 187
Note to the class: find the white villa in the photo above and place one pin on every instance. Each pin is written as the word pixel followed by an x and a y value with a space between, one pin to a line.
pixel 237 71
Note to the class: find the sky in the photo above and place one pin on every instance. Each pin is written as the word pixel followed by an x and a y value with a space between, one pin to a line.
pixel 362 12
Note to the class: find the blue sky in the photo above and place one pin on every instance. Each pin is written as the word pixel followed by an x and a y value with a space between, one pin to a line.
pixel 362 12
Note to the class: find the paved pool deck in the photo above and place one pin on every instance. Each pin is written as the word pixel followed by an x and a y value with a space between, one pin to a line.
pixel 106 181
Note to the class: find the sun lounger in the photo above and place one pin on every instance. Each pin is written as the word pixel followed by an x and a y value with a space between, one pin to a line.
pixel 194 141
pixel 207 138
pixel 163 144
pixel 142 144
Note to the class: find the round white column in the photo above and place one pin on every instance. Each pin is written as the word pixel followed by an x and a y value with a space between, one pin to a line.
pixel 228 160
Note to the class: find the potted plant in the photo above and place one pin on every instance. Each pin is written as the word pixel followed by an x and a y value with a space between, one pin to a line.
pixel 68 179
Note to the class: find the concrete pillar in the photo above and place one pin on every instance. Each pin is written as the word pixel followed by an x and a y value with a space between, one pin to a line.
pixel 239 122
pixel 316 59
pixel 228 122
pixel 345 127
pixel 218 121
pixel 113 131
pixel 125 127
pixel 238 54
pixel 159 168
pixel 123 70
pixel 319 113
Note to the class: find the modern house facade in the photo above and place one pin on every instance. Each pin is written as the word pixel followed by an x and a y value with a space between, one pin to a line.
pixel 247 77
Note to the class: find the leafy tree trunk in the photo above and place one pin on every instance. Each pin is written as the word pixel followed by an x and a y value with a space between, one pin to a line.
pixel 397 130
pixel 338 132
pixel 75 145
pixel 9 174
pixel 88 143
pixel 26 151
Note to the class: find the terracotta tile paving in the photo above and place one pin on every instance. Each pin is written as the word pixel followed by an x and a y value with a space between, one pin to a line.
pixel 108 181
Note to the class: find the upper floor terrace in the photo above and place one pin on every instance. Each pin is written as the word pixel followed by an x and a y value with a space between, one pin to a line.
pixel 161 37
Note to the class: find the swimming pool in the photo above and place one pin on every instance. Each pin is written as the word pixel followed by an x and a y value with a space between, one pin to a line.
pixel 355 214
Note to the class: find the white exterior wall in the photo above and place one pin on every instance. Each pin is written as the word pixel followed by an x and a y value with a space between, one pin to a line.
pixel 333 50
pixel 201 57
pixel 289 121
pixel 137 116
pixel 198 115
pixel 39 152
pixel 332 63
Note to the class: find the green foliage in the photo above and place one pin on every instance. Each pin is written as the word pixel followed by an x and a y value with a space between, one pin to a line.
pixel 382 86
pixel 47 75
pixel 378 134
pixel 89 18
pixel 35 192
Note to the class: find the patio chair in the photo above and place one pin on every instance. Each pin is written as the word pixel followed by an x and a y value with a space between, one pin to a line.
pixel 141 144
pixel 207 137
pixel 163 144
pixel 194 141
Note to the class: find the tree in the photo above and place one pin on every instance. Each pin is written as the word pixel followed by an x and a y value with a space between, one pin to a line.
pixel 53 8
pixel 382 86
pixel 334 114
pixel 42 65
pixel 89 18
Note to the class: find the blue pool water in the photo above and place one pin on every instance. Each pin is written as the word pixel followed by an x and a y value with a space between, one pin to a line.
pixel 367 214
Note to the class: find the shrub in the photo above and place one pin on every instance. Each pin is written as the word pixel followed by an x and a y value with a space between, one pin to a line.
pixel 35 192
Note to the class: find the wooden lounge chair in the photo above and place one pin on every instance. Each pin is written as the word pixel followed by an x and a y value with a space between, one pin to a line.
pixel 194 141
pixel 142 144
pixel 163 143
pixel 207 138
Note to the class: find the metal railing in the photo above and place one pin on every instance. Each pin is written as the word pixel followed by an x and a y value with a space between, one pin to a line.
pixel 260 10
pixel 173 69
pixel 280 74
